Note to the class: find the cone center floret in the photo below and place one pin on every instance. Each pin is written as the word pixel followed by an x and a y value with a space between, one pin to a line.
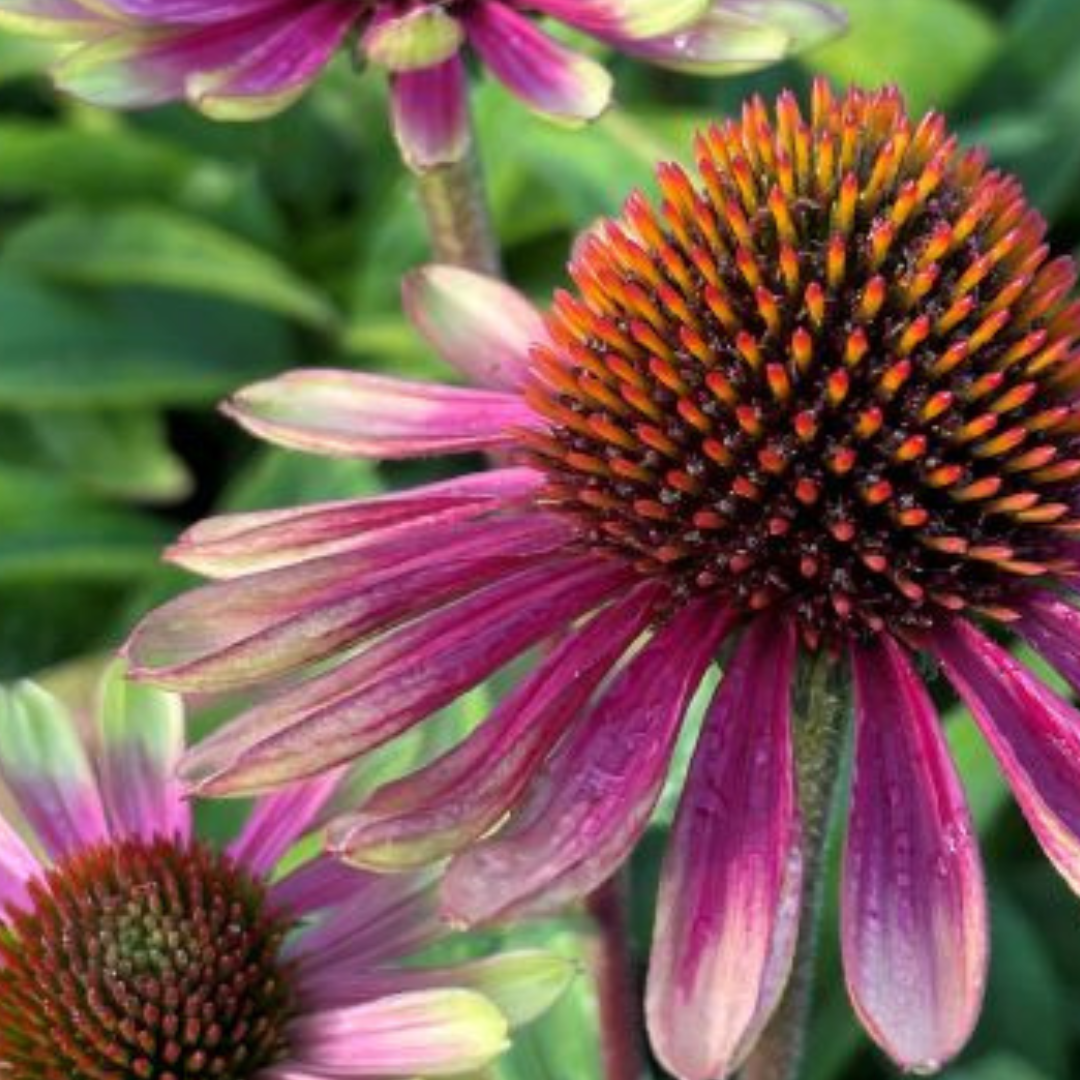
pixel 835 370
pixel 149 960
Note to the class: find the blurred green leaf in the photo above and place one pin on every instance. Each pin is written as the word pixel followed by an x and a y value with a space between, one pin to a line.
pixel 151 246
pixel 120 453
pixel 64 350
pixel 996 1067
pixel 21 55
pixel 933 49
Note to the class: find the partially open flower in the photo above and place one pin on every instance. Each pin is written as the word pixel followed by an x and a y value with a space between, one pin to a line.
pixel 824 396
pixel 245 59
pixel 130 948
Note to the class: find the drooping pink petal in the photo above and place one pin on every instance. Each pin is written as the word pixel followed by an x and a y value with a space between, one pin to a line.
pixel 279 820
pixel 350 414
pixel 548 77
pixel 317 884
pixel 626 18
pixel 1052 626
pixel 43 763
pixel 17 867
pixel 1034 735
pixel 727 919
pixel 915 936
pixel 240 632
pixel 399 681
pixel 429 1032
pixel 740 35
pixel 243 68
pixel 461 795
pixel 141 739
pixel 479 324
pixel 429 109
pixel 48 18
pixel 587 808
pixel 387 917
pixel 193 12
pixel 234 544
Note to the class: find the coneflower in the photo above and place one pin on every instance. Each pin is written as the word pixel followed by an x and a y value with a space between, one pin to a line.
pixel 820 400
pixel 131 949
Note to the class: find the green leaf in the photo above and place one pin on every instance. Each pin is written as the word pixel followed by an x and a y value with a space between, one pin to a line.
pixel 996 1067
pixel 62 350
pixel 21 56
pixel 53 533
pixel 121 453
pixel 149 246
pixel 933 49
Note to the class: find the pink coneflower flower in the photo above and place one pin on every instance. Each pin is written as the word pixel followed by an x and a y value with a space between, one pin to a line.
pixel 821 397
pixel 245 59
pixel 132 950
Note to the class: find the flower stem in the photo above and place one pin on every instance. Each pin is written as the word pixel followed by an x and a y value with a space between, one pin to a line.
pixel 615 983
pixel 821 724
pixel 459 221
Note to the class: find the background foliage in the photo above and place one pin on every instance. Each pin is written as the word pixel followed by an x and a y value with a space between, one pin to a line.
pixel 149 264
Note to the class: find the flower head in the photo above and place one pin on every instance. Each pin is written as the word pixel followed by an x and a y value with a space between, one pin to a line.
pixel 245 59
pixel 821 397
pixel 129 947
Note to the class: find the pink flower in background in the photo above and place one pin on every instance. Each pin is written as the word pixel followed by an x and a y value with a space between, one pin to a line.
pixel 823 396
pixel 130 948
pixel 245 59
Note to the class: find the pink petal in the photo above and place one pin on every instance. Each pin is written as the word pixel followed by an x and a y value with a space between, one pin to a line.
pixel 17 868
pixel 430 114
pixel 349 414
pixel 914 907
pixel 545 75
pixel 433 1032
pixel 482 326
pixel 279 821
pixel 317 884
pixel 1034 734
pixel 461 795
pixel 236 544
pixel 141 739
pixel 399 681
pixel 590 804
pixel 241 632
pixel 44 765
pixel 1052 626
pixel 727 919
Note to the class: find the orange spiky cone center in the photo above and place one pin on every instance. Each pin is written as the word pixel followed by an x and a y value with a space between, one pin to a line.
pixel 835 370
pixel 142 961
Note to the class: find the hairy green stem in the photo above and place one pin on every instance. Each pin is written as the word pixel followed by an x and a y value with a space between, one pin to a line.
pixel 459 221
pixel 616 987
pixel 820 731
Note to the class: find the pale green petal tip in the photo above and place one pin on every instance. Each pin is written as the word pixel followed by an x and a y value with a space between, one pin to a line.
pixel 39 734
pixel 481 1032
pixel 131 712
pixel 422 39
pixel 642 19
pixel 523 984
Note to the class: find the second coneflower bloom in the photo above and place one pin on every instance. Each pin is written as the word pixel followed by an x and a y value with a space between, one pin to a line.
pixel 246 59
pixel 821 397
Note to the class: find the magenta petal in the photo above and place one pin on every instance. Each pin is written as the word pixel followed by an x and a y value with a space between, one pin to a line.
pixel 728 907
pixel 1034 734
pixel 17 867
pixel 399 681
pixel 279 820
pixel 545 75
pixel 914 907
pixel 586 810
pixel 240 632
pixel 462 794
pixel 349 414
pixel 235 544
pixel 316 885
pixel 1052 625
pixel 482 326
pixel 430 114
